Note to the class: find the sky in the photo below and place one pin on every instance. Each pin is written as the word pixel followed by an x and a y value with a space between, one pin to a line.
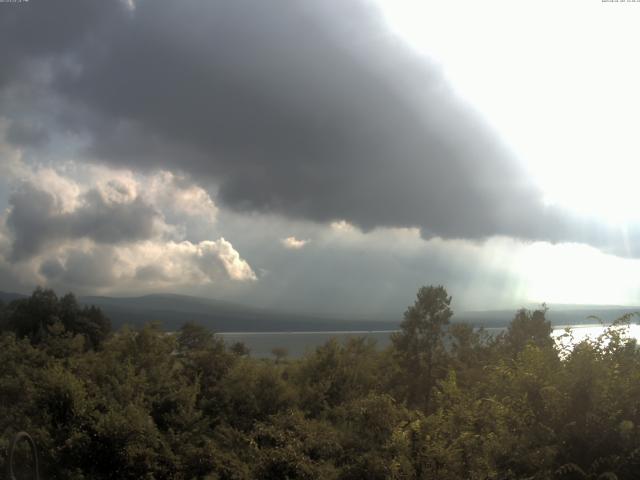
pixel 327 156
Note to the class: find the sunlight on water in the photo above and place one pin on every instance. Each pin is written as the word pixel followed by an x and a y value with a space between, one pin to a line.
pixel 579 333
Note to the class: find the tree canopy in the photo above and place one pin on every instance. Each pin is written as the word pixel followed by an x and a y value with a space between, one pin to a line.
pixel 419 346
pixel 445 401
pixel 43 316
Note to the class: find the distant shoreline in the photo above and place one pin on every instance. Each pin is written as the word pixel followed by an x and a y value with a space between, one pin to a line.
pixel 354 332
pixel 309 332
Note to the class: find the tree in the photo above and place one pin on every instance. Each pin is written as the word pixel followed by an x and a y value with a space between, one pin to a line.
pixel 31 317
pixel 240 349
pixel 470 350
pixel 3 316
pixel 93 324
pixel 280 353
pixel 38 317
pixel 419 346
pixel 529 327
pixel 193 337
pixel 337 373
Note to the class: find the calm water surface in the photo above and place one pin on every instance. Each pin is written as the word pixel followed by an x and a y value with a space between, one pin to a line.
pixel 298 343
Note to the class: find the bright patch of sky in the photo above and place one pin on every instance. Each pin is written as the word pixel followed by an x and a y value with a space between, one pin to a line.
pixel 557 80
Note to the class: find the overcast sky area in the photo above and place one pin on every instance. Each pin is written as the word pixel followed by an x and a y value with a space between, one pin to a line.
pixel 325 156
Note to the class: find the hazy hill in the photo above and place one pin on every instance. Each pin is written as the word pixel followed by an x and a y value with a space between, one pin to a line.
pixel 559 315
pixel 9 297
pixel 172 311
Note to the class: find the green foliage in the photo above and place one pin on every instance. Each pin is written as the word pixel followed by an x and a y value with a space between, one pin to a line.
pixel 443 402
pixel 419 346
pixel 251 392
pixel 280 353
pixel 240 349
pixel 193 337
pixel 43 315
pixel 371 435
pixel 470 351
pixel 528 328
pixel 294 447
pixel 337 373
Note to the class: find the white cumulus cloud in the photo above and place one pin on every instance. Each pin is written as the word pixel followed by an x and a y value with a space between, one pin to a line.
pixel 95 228
pixel 293 243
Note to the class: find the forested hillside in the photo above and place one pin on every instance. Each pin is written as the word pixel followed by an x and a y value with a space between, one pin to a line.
pixel 443 402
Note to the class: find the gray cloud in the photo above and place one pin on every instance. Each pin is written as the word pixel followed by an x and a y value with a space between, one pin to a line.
pixel 35 220
pixel 40 29
pixel 308 109
pixel 84 270
pixel 20 133
pixel 372 275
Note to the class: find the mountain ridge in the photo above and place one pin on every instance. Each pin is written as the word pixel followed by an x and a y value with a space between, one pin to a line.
pixel 171 311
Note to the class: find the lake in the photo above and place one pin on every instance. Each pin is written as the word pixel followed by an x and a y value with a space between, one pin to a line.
pixel 298 343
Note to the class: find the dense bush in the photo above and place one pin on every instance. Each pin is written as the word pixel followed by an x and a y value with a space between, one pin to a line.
pixel 443 402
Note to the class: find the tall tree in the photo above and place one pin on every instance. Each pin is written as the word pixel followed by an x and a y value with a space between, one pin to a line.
pixel 529 327
pixel 419 346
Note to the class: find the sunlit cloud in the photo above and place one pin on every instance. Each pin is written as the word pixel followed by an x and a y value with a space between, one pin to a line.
pixel 342 226
pixel 108 229
pixel 293 243
pixel 136 267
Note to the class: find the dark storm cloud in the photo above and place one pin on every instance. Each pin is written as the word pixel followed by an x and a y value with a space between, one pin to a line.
pixel 42 29
pixel 20 133
pixel 309 109
pixel 35 221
